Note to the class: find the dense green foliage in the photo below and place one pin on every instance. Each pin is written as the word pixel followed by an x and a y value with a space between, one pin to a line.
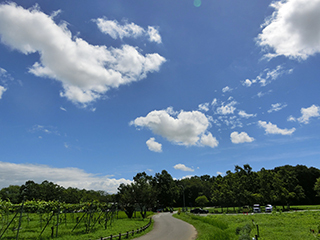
pixel 282 186
pixel 49 191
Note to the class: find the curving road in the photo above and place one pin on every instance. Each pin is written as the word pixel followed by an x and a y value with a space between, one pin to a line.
pixel 167 227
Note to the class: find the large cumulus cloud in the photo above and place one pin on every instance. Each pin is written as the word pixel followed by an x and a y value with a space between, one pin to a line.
pixel 187 128
pixel 86 71
pixel 293 30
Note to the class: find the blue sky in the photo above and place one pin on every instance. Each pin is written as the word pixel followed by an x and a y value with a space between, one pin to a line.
pixel 92 93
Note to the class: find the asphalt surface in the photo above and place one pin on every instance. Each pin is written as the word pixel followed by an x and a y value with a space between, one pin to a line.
pixel 167 227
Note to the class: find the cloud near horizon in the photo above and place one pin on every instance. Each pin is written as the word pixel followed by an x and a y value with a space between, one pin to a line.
pixel 18 174
pixel 85 71
pixel 183 167
pixel 182 128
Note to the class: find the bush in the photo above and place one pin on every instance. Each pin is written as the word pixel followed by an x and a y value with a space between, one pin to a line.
pixel 244 232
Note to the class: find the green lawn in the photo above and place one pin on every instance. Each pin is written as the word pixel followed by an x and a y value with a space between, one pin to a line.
pixel 275 226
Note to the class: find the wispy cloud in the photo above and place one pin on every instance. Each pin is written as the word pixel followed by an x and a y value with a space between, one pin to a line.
pixel 267 76
pixel 277 107
pixel 128 30
pixel 44 129
pixel 246 115
pixel 228 108
pixel 204 107
pixel 227 89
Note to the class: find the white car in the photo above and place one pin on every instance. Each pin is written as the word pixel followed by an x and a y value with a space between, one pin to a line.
pixel 256 208
pixel 269 208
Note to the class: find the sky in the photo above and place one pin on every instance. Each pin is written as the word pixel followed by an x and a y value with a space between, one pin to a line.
pixel 93 92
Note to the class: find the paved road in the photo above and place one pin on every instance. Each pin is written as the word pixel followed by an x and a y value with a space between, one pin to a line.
pixel 167 227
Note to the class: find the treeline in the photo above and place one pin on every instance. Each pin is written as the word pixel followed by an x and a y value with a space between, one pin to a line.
pixel 49 191
pixel 281 186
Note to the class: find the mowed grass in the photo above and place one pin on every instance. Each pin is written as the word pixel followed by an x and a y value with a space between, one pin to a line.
pixel 275 226
pixel 31 227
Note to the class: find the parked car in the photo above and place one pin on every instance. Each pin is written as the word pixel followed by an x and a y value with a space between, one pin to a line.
pixel 256 208
pixel 269 208
pixel 199 210
pixel 246 209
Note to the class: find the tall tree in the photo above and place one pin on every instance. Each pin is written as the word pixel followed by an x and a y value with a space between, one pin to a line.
pixel 143 192
pixel 317 187
pixel 165 189
pixel 11 193
pixel 126 198
pixel 30 191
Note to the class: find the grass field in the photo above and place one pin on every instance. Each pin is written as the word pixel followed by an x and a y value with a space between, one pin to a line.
pixel 32 225
pixel 295 225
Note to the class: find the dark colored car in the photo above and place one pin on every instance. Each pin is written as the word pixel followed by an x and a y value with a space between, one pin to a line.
pixel 199 210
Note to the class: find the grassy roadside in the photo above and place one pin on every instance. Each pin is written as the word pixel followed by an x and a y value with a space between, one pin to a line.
pixel 208 229
pixel 281 226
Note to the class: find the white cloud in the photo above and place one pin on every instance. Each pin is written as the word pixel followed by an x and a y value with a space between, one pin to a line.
pixel 2 90
pixel 247 83
pixel 226 89
pixel 63 109
pixel 231 122
pixel 186 177
pixel 183 128
pixel 246 115
pixel 307 113
pixel 240 137
pixel 261 94
pixel 209 140
pixel 267 76
pixel 18 174
pixel 220 173
pixel 85 71
pixel 293 30
pixel 153 145
pixel 291 119
pixel 214 102
pixel 204 107
pixel 276 107
pixel 116 30
pixel 154 35
pixel 273 128
pixel 226 109
pixel 44 129
pixel 183 167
